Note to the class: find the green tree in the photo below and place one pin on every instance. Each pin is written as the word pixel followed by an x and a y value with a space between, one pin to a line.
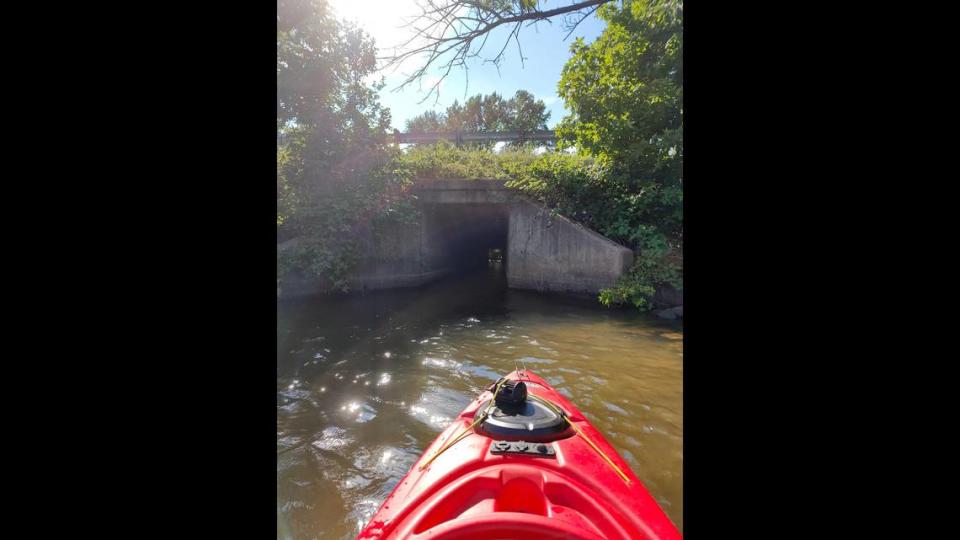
pixel 478 114
pixel 484 113
pixel 525 113
pixel 428 122
pixel 332 145
pixel 328 120
pixel 625 94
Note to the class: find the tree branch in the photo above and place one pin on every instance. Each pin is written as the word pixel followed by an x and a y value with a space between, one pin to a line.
pixel 576 24
pixel 445 32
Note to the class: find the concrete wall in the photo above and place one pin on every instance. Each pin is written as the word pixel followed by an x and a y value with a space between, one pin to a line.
pixel 391 259
pixel 461 220
pixel 551 253
pixel 451 191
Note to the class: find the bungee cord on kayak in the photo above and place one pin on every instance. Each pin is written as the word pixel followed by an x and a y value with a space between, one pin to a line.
pixel 468 429
pixel 560 411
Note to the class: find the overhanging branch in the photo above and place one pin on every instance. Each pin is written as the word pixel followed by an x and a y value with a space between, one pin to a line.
pixel 444 34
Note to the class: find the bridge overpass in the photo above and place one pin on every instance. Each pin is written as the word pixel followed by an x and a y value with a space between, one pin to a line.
pixel 464 137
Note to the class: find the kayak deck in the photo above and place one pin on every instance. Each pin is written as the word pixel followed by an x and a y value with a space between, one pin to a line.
pixel 502 486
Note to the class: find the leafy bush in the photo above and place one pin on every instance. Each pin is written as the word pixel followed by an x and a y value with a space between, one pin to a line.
pixel 444 160
pixel 328 230
pixel 593 191
pixel 334 165
pixel 625 94
pixel 595 194
pixel 573 185
pixel 650 271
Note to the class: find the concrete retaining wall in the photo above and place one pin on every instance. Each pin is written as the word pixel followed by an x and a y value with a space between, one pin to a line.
pixel 551 253
pixel 460 220
pixel 392 259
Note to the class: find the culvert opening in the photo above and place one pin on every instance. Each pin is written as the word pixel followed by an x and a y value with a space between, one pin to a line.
pixel 466 237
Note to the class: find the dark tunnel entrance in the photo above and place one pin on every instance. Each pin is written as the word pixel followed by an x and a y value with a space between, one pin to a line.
pixel 464 237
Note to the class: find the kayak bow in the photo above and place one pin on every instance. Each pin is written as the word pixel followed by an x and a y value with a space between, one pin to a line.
pixel 520 462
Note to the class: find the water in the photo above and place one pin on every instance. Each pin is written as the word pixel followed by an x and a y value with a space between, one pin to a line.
pixel 365 383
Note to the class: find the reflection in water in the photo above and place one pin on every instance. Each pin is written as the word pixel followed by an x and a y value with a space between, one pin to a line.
pixel 365 383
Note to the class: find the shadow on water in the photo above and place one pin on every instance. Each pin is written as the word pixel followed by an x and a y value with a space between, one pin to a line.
pixel 366 382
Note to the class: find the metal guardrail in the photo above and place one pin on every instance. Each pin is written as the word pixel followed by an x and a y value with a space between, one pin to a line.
pixel 460 137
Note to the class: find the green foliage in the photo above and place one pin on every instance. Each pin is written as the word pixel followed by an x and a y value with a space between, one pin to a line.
pixel 589 191
pixel 625 91
pixel 428 122
pixel 335 174
pixel 573 185
pixel 482 113
pixel 338 179
pixel 654 268
pixel 444 160
pixel 478 113
pixel 286 198
pixel 327 232
pixel 526 113
pixel 625 94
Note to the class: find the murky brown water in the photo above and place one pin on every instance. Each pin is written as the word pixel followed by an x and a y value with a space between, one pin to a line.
pixel 365 383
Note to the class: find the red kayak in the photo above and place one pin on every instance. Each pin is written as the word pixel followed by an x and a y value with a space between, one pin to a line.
pixel 520 462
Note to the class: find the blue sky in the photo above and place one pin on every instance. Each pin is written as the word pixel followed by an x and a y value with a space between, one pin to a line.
pixel 544 50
